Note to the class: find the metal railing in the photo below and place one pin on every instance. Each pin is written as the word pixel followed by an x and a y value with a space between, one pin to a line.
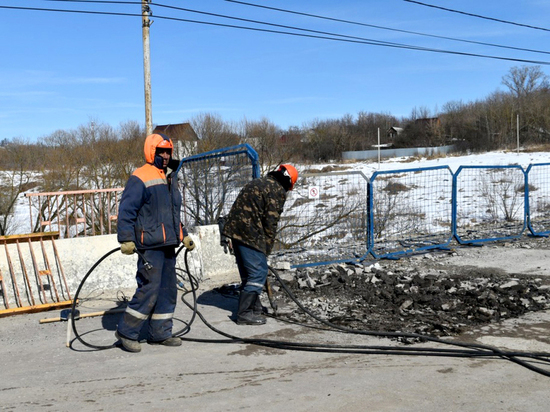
pixel 75 213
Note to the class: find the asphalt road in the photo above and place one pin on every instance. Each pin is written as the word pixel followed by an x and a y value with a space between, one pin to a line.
pixel 40 373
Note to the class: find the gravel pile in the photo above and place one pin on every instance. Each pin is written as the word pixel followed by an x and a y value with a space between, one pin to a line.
pixel 408 296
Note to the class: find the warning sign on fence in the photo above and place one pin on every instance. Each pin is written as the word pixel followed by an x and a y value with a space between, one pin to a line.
pixel 313 192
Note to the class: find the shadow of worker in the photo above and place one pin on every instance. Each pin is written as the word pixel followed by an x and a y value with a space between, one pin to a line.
pixel 225 297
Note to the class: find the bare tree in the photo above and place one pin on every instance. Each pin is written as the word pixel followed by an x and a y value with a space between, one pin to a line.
pixel 267 139
pixel 213 132
pixel 524 80
pixel 530 88
pixel 14 180
pixel 94 156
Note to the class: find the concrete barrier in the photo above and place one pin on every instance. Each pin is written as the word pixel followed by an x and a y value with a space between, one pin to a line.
pixel 76 257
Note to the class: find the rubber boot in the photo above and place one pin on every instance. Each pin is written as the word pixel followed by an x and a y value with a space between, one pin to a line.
pixel 245 313
pixel 257 308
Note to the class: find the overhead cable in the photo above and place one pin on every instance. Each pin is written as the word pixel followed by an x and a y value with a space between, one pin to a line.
pixel 387 28
pixel 477 15
pixel 308 15
pixel 347 40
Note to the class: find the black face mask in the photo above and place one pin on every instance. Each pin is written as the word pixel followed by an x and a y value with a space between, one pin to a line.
pixel 158 161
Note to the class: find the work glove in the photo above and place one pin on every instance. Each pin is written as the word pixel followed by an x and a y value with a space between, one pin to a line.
pixel 127 248
pixel 188 243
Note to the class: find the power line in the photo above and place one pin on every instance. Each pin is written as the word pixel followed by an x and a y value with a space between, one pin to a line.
pixel 347 40
pixel 97 1
pixel 315 16
pixel 479 16
pixel 103 13
pixel 281 25
pixel 310 15
pixel 387 28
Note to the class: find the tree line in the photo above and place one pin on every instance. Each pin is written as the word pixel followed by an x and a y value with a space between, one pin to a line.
pixel 97 155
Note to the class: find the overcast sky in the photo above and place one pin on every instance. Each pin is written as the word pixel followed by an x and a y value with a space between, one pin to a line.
pixel 60 70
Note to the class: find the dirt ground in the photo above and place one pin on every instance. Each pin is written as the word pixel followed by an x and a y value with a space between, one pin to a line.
pixel 491 295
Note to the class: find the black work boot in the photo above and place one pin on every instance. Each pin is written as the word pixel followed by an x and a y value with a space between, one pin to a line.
pixel 245 313
pixel 257 308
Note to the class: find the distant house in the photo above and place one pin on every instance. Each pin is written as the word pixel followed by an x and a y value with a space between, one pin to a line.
pixel 182 135
pixel 393 132
pixel 431 122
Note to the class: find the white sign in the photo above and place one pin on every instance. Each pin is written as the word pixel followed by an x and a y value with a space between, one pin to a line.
pixel 313 192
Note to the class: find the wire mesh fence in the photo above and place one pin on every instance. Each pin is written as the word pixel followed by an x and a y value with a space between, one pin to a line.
pixel 538 189
pixel 325 218
pixel 210 182
pixel 410 210
pixel 338 216
pixel 489 202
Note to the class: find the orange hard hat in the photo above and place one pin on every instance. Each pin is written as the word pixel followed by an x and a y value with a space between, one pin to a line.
pixel 154 141
pixel 291 172
pixel 165 144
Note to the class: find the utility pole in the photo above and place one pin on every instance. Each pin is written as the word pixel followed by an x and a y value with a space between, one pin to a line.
pixel 517 130
pixel 146 23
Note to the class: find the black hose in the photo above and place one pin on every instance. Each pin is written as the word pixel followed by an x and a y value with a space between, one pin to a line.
pixel 83 281
pixel 75 300
pixel 194 287
pixel 469 350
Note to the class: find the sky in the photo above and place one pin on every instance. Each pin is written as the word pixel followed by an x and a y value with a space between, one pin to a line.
pixel 60 70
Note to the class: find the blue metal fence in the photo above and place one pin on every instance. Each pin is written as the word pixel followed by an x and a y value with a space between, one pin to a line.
pixel 347 217
pixel 325 218
pixel 410 210
pixel 489 203
pixel 210 182
pixel 538 198
pixel 415 210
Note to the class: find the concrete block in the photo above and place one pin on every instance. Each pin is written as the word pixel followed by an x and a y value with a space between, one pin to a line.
pixel 215 263
pixel 114 273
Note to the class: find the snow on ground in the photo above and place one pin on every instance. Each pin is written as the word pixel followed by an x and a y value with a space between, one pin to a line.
pixel 420 202
pixel 21 221
pixel 497 158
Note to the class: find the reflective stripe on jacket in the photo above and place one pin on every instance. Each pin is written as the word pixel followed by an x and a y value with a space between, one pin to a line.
pixel 149 211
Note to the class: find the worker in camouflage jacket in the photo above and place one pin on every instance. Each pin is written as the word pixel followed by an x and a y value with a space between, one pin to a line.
pixel 252 226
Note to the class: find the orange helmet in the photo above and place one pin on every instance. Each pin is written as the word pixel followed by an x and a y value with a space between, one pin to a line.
pixel 154 141
pixel 291 172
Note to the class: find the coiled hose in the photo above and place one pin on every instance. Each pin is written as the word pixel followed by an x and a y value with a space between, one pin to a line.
pixel 466 350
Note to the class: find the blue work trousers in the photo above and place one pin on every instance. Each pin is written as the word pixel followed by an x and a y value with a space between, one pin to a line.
pixel 155 297
pixel 252 265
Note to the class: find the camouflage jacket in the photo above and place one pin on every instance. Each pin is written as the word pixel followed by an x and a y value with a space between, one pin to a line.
pixel 254 216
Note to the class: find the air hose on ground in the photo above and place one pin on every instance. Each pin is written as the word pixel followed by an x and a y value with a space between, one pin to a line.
pixel 87 275
pixel 466 350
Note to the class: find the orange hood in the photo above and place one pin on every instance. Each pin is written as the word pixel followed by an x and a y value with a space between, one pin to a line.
pixel 152 142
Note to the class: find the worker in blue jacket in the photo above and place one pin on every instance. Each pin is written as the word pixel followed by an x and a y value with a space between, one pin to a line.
pixel 149 222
